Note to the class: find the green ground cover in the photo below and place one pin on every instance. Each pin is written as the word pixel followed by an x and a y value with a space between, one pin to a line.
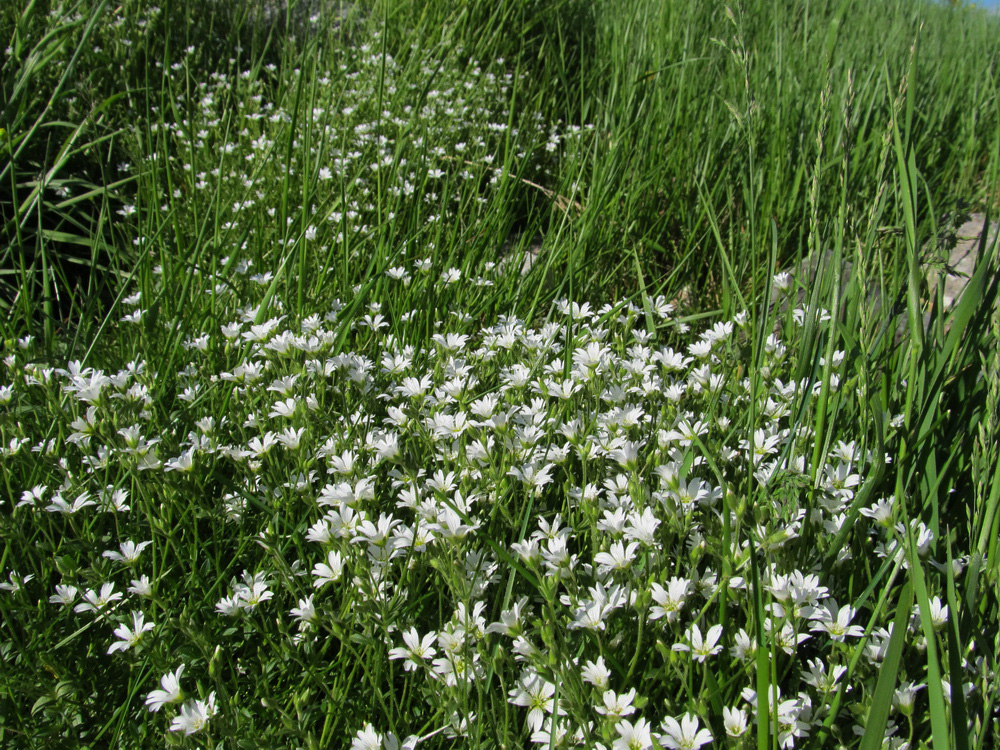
pixel 438 374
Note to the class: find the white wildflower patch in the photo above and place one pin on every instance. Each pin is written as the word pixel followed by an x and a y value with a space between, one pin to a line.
pixel 622 547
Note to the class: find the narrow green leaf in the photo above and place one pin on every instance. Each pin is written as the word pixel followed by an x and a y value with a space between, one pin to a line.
pixel 762 667
pixel 935 693
pixel 959 715
pixel 878 714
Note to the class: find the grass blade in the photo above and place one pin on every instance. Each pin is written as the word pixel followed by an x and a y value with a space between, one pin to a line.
pixel 878 714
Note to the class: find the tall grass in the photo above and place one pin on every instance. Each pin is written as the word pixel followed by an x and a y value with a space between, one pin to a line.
pixel 262 282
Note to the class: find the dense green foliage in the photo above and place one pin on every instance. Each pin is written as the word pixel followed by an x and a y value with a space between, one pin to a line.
pixel 468 321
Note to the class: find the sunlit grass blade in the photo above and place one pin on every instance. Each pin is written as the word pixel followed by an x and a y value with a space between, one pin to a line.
pixel 878 714
pixel 940 733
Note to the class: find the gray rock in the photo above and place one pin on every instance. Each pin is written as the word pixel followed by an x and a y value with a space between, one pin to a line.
pixel 960 248
pixel 962 259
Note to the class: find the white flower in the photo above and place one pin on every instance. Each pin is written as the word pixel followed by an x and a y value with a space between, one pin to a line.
pixel 141 587
pixel 642 528
pixel 59 504
pixel 32 496
pixel 183 463
pixel 836 621
pixel 194 715
pixel 284 408
pixel 906 696
pixel 253 591
pixel 528 550
pixel 615 705
pixel 744 646
pixel 533 476
pixel 228 606
pixel 669 601
pixel 785 638
pixel 16 582
pixel 618 557
pixel 880 512
pixel 130 636
pixel 632 736
pixel 701 649
pixel 94 602
pixel 819 678
pixel 328 571
pixel 64 595
pixel 305 613
pixel 735 721
pixel 596 673
pixel 683 735
pixel 171 692
pixel 536 694
pixel 416 649
pixel 290 437
pixel 938 613
pixel 129 552
pixel 367 739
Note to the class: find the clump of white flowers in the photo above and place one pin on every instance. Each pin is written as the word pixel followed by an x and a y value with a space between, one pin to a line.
pixel 604 445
